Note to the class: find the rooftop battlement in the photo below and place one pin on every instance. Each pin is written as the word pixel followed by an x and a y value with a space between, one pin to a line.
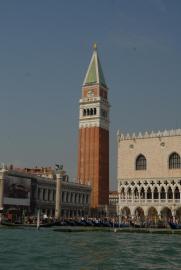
pixel 166 133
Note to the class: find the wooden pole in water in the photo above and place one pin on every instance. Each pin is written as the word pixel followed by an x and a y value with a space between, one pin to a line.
pixel 38 220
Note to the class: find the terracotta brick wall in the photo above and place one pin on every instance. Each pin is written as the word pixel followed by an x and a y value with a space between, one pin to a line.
pixel 93 162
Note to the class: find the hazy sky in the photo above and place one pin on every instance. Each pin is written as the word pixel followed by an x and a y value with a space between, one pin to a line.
pixel 45 49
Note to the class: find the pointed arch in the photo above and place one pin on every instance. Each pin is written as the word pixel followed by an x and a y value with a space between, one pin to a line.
pixel 162 193
pixel 177 193
pixel 174 161
pixel 140 163
pixel 126 211
pixel 166 214
pixel 139 214
pixel 122 193
pixel 155 193
pixel 142 193
pixel 136 193
pixel 178 214
pixel 149 193
pixel 129 193
pixel 153 214
pixel 170 193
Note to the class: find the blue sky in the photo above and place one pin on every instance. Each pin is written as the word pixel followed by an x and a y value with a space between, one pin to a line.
pixel 45 49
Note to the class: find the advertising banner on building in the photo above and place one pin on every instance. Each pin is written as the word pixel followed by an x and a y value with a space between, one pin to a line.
pixel 17 191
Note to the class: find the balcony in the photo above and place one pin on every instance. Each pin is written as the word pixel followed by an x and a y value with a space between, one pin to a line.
pixel 150 201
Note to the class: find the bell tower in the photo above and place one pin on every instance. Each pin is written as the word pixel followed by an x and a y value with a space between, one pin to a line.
pixel 93 152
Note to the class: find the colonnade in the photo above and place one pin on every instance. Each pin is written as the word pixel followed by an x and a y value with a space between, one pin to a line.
pixel 158 198
pixel 45 194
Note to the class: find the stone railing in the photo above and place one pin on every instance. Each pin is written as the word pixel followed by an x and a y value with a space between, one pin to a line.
pixel 150 201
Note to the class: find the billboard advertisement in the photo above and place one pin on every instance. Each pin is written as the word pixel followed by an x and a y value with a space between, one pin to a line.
pixel 17 191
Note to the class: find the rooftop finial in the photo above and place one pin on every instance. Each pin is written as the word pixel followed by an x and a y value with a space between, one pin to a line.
pixel 95 46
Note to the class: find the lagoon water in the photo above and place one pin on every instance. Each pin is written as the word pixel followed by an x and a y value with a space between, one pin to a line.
pixel 25 249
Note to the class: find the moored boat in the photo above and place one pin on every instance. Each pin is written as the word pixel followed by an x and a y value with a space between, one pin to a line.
pixel 174 226
pixel 26 225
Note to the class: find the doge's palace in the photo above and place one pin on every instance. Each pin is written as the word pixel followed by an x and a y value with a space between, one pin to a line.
pixel 149 175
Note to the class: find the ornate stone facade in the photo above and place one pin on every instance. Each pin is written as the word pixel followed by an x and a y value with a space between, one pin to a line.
pixel 40 193
pixel 149 174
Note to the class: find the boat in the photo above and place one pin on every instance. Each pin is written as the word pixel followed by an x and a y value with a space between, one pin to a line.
pixel 174 226
pixel 137 225
pixel 28 225
pixel 121 225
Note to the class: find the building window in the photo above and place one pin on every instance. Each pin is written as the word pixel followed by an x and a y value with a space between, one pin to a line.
pixel 49 194
pixel 39 193
pixel 174 161
pixel 53 195
pixel 44 194
pixel 141 163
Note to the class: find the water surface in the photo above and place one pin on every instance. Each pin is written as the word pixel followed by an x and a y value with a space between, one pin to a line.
pixel 25 249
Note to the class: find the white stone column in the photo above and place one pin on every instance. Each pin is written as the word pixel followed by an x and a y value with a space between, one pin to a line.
pixel 159 214
pixel 119 198
pixel 2 179
pixel 152 196
pixel 126 196
pixel 41 194
pixel 159 197
pixel 166 196
pixel 58 195
pixel 173 214
pixel 145 196
pixel 132 214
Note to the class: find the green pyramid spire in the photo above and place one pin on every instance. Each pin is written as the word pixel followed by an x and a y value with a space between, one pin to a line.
pixel 94 73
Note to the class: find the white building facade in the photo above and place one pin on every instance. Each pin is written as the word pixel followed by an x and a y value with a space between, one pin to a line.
pixel 149 175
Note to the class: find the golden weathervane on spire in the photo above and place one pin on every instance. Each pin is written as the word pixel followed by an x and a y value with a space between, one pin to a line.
pixel 95 46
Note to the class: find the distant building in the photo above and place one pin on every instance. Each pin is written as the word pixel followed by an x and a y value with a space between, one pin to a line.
pixel 113 203
pixel 113 198
pixel 93 153
pixel 149 175
pixel 27 192
pixel 47 172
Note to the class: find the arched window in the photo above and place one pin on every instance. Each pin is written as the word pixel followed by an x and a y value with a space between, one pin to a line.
pixel 94 111
pixel 174 161
pixel 141 163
